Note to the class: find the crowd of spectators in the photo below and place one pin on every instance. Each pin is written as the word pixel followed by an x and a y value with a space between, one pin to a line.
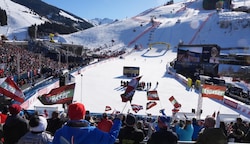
pixel 26 63
pixel 80 126
pixel 25 66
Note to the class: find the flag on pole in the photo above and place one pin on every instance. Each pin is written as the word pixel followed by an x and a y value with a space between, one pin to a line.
pixel 61 95
pixel 9 88
pixel 152 95
pixel 108 108
pixel 213 91
pixel 174 102
pixel 150 104
pixel 136 107
pixel 130 90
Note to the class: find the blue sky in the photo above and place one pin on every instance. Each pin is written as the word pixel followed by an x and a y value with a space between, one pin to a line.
pixel 114 9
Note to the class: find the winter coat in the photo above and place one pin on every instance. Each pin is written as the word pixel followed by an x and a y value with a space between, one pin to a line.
pixel 185 134
pixel 130 135
pixel 163 136
pixel 211 136
pixel 80 132
pixel 14 128
pixel 54 124
pixel 197 129
pixel 36 138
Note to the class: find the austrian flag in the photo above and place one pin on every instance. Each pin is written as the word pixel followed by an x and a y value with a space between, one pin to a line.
pixel 213 91
pixel 9 88
pixel 108 108
pixel 150 104
pixel 136 107
pixel 174 102
pixel 152 95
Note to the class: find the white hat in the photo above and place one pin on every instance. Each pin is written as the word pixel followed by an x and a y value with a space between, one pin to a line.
pixel 38 124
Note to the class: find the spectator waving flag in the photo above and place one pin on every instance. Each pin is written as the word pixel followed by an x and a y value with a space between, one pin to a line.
pixel 130 90
pixel 61 95
pixel 136 107
pixel 174 102
pixel 150 104
pixel 10 89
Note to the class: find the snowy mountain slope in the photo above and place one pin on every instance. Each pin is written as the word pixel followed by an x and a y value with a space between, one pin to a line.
pixel 186 22
pixel 22 14
pixel 19 19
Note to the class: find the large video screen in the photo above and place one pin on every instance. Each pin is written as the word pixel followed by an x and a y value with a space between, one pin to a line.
pixel 193 60
pixel 131 71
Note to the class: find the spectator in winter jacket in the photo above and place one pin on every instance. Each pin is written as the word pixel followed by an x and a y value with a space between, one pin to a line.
pixel 105 124
pixel 197 129
pixel 185 133
pixel 15 126
pixel 78 131
pixel 54 123
pixel 130 134
pixel 239 130
pixel 211 135
pixel 164 135
pixel 37 134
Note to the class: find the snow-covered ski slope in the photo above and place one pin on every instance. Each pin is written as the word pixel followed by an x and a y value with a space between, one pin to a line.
pixel 99 86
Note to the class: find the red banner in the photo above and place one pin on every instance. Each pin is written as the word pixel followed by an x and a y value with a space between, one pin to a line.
pixel 61 95
pixel 10 89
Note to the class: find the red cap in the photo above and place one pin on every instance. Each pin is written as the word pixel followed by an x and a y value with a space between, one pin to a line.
pixel 14 109
pixel 76 111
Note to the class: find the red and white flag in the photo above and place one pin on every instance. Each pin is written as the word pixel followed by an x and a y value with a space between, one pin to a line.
pixel 152 95
pixel 150 104
pixel 9 88
pixel 108 108
pixel 136 107
pixel 174 102
pixel 130 90
pixel 213 91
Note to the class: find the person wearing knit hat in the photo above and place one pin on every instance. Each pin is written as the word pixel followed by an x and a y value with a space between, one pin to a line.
pixel 76 111
pixel 15 126
pixel 130 120
pixel 164 121
pixel 79 131
pixel 130 133
pixel 164 135
pixel 37 132
pixel 15 109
